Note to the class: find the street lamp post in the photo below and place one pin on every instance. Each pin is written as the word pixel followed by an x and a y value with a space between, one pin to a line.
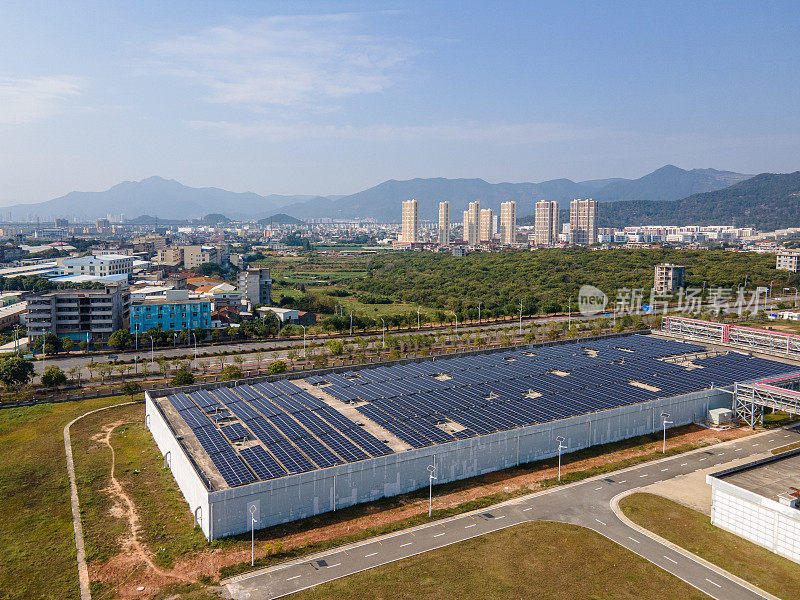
pixel 418 318
pixel 252 535
pixel 304 341
pixel 195 349
pixel 479 312
pixel 569 314
pixel 431 477
pixel 520 317
pixel 787 289
pixel 152 353
pixel 561 446
pixel 351 322
pixel 174 338
pixel 384 332
pixel 665 416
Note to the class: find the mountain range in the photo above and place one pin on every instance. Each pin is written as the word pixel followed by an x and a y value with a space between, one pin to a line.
pixel 167 199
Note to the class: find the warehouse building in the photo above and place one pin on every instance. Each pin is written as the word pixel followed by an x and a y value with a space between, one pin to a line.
pixel 282 450
pixel 760 501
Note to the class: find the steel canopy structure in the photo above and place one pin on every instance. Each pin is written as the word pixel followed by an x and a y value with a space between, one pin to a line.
pixel 746 338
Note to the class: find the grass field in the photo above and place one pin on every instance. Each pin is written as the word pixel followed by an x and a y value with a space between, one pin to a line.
pixel 693 531
pixel 36 534
pixel 532 560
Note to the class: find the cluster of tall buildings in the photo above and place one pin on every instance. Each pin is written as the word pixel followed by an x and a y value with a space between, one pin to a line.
pixel 480 225
pixel 582 222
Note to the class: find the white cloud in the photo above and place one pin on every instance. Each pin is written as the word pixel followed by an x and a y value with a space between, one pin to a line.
pixel 286 61
pixel 521 133
pixel 29 99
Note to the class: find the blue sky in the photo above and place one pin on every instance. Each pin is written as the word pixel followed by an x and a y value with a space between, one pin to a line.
pixel 334 97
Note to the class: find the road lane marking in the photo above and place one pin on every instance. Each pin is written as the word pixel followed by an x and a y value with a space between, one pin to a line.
pixel 368 555
pixel 702 459
pixel 754 445
pixel 645 475
pixel 438 535
pixel 406 544
pixel 601 523
pixel 468 526
pixel 529 508
pixel 634 539
pixel 600 488
pixel 671 559
pixel 662 470
pixel 772 440
pixel 500 517
pixel 623 481
pixel 290 578
pixel 331 566
pixel 684 464
pixel 713 583
pixel 737 450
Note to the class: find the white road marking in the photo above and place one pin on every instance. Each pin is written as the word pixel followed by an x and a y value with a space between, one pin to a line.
pixel 634 539
pixel 684 464
pixel 368 555
pixel 754 445
pixel 662 470
pixel 623 481
pixel 600 488
pixel 439 535
pixel 771 441
pixel 331 566
pixel 290 578
pixel 406 544
pixel 737 450
pixel 468 526
pixel 702 459
pixel 601 523
pixel 500 517
pixel 529 508
pixel 671 559
pixel 645 475
pixel 713 583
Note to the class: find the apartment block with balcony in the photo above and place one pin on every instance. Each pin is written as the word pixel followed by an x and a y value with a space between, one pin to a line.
pixel 669 278
pixel 90 315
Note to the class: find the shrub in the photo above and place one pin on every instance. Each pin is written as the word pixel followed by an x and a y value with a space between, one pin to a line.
pixel 182 377
pixel 231 372
pixel 277 366
pixel 53 376
pixel 131 388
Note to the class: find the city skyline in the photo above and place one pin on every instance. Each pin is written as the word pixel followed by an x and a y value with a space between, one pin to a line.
pixel 241 97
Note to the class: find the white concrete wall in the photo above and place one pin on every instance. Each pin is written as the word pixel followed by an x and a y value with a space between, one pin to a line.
pixel 184 472
pixel 760 520
pixel 307 494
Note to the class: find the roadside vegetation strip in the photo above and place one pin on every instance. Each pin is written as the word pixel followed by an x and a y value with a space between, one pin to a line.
pixel 36 529
pixel 786 448
pixel 693 531
pixel 532 560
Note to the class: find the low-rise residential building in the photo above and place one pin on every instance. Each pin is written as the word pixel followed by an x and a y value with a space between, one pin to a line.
pixel 90 315
pixel 99 266
pixel 668 278
pixel 175 310
pixel 787 261
pixel 255 286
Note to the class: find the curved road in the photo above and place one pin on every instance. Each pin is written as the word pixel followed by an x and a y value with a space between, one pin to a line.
pixel 589 503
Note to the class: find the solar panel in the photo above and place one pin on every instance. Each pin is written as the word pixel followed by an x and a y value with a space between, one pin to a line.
pixel 290 457
pixel 232 469
pixel 212 440
pixel 262 463
pixel 235 432
pixel 195 418
pixel 181 401
pixel 265 431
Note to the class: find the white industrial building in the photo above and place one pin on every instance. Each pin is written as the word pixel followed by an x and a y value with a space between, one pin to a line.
pixel 760 501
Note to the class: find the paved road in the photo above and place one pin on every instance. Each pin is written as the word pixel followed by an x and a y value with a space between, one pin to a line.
pixel 587 503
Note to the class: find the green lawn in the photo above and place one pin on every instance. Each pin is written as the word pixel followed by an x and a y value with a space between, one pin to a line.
pixel 693 531
pixel 36 533
pixel 532 560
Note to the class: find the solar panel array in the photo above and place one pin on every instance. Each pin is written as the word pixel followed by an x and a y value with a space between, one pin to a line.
pixel 299 432
pixel 471 395
pixel 481 394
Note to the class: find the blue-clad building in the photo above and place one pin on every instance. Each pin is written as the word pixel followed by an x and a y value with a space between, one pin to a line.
pixel 176 310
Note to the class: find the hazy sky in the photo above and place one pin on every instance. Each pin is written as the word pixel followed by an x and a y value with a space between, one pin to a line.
pixel 334 97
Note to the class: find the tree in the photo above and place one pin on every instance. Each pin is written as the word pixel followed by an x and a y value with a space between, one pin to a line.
pixel 53 377
pixel 231 372
pixel 336 347
pixel 119 339
pixel 130 389
pixel 105 370
pixel 276 366
pixel 182 377
pixel 15 371
pixel 67 344
pixel 75 372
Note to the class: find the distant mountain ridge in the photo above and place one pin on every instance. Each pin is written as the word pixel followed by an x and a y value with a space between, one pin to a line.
pixel 167 199
pixel 767 201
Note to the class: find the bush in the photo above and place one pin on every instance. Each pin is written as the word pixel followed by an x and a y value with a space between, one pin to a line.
pixel 182 377
pixel 276 366
pixel 131 388
pixel 53 376
pixel 231 372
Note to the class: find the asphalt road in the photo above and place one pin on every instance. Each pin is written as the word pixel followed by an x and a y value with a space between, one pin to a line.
pixel 588 503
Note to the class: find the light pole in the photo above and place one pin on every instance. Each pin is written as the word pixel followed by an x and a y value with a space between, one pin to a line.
pixel 569 314
pixel 479 312
pixel 252 535
pixel 561 446
pixel 136 337
pixel 418 318
pixel 351 322
pixel 456 316
pixel 520 317
pixel 304 341
pixel 195 350
pixel 152 354
pixel 384 332
pixel 665 416
pixel 174 338
pixel 431 477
